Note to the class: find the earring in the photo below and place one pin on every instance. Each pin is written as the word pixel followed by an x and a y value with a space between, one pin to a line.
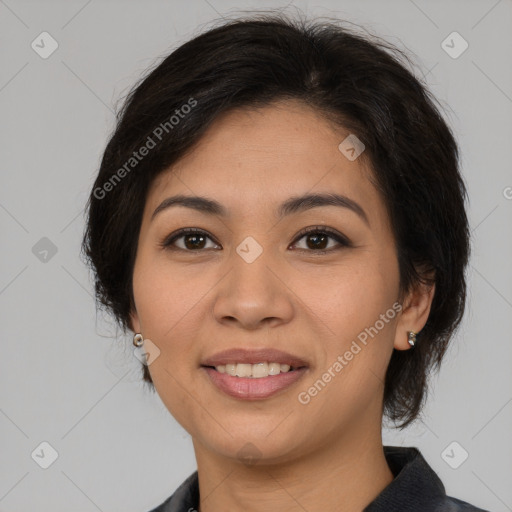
pixel 138 340
pixel 411 338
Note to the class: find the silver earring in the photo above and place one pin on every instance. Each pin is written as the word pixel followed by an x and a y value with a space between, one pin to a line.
pixel 411 338
pixel 138 340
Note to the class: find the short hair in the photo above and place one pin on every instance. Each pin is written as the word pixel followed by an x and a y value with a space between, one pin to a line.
pixel 362 84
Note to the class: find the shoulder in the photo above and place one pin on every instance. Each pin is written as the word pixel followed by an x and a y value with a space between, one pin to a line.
pixel 184 499
pixel 416 486
pixel 456 505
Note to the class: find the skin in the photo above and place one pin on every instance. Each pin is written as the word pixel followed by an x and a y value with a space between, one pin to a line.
pixel 327 454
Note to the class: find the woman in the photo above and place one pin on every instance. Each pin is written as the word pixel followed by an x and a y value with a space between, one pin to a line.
pixel 279 219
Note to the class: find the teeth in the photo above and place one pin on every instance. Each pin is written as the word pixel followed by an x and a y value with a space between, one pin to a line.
pixel 253 370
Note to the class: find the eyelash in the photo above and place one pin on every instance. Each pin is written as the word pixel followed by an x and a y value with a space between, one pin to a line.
pixel 342 240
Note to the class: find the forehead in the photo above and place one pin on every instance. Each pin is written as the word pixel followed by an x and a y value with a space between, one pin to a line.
pixel 251 159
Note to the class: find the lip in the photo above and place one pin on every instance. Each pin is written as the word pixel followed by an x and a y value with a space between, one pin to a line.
pixel 241 355
pixel 247 388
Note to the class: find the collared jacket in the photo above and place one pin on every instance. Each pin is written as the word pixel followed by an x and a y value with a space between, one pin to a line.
pixel 415 488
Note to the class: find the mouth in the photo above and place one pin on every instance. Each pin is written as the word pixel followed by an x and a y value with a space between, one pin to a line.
pixel 253 374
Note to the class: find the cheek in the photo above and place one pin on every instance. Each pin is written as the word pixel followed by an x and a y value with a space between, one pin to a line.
pixel 350 297
pixel 163 294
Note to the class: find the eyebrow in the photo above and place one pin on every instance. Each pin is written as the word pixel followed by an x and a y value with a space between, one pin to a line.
pixel 292 205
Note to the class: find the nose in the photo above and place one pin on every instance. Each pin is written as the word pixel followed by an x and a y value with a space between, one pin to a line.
pixel 254 293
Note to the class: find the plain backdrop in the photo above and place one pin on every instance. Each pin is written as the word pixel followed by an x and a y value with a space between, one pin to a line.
pixel 69 379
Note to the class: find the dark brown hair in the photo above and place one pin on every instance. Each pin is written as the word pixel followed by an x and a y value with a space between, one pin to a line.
pixel 359 82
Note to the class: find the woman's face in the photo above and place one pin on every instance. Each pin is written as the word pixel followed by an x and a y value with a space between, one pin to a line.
pixel 250 280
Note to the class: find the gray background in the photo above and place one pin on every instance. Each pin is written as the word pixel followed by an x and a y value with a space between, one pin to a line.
pixel 68 378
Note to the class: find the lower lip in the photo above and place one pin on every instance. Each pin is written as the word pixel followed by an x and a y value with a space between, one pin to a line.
pixel 248 388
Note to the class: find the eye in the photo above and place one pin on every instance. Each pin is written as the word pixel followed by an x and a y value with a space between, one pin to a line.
pixel 194 240
pixel 319 236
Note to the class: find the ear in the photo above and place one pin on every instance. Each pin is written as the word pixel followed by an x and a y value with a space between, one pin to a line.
pixel 415 310
pixel 134 321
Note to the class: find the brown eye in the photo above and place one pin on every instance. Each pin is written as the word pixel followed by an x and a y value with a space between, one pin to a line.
pixel 317 240
pixel 192 240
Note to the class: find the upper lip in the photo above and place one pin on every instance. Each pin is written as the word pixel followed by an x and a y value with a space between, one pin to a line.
pixel 241 355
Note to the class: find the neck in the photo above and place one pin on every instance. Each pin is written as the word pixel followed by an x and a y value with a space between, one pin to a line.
pixel 339 475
